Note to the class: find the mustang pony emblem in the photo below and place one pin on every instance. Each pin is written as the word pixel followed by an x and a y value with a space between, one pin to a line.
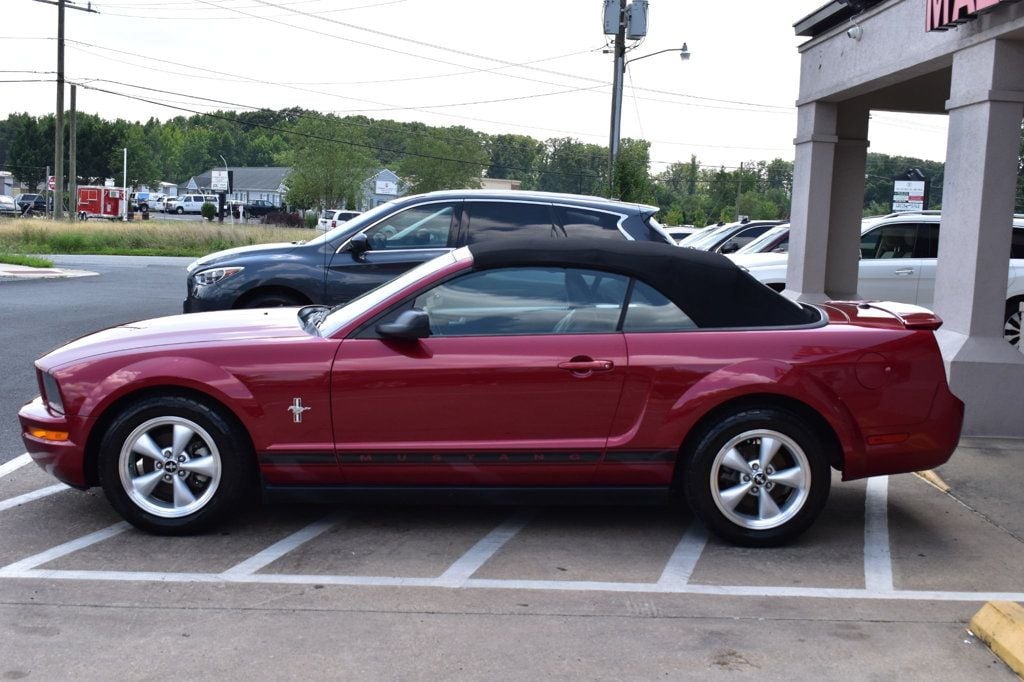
pixel 297 409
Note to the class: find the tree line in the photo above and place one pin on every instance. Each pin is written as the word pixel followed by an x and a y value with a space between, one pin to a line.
pixel 332 156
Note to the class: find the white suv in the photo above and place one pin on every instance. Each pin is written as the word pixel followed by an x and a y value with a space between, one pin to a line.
pixel 333 217
pixel 898 256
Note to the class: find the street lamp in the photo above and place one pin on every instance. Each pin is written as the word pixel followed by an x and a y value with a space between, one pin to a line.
pixel 620 68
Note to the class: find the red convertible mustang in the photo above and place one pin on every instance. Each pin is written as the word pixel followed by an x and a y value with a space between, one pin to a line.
pixel 543 368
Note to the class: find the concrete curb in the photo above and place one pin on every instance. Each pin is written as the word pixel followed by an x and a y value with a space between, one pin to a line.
pixel 17 272
pixel 1000 624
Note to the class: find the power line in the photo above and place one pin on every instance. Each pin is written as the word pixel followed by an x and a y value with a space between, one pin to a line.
pixel 323 138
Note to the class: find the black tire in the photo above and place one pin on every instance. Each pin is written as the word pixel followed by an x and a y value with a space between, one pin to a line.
pixel 216 447
pixel 1013 321
pixel 180 210
pixel 144 208
pixel 273 299
pixel 710 484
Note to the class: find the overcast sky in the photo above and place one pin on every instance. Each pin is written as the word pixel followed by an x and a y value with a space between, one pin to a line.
pixel 534 67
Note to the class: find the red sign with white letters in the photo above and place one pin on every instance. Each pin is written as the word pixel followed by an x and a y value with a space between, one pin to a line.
pixel 945 14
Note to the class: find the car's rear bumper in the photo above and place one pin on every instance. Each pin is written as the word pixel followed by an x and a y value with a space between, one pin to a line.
pixel 928 444
pixel 64 459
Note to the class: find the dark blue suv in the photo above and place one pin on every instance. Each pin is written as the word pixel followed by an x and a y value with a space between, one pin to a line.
pixel 386 241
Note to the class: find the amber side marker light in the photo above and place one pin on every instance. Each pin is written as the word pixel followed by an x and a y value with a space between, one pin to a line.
pixel 45 434
pixel 888 439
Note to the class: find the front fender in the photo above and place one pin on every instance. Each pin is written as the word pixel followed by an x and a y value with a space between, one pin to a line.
pixel 100 388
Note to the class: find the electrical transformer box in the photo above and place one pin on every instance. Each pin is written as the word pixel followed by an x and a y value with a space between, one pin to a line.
pixel 610 15
pixel 636 20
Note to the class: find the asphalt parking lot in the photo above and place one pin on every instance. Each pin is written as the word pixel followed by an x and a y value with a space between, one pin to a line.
pixel 882 586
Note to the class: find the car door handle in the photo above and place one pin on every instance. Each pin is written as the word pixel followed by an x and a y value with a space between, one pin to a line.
pixel 904 271
pixel 587 365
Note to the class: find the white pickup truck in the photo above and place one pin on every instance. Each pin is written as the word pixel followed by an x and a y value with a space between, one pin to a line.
pixel 898 257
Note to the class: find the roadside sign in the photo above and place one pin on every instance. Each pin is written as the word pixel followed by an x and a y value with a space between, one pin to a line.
pixel 51 183
pixel 219 181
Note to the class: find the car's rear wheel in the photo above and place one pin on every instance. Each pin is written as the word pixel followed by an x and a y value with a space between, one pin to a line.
pixel 758 478
pixel 1012 327
pixel 173 465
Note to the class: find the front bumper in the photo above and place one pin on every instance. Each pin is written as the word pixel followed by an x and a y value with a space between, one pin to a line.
pixel 65 460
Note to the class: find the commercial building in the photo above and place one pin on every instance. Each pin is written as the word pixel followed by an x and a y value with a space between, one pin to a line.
pixel 962 58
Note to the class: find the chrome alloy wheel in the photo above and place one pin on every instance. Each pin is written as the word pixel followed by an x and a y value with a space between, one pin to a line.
pixel 1012 329
pixel 760 479
pixel 170 467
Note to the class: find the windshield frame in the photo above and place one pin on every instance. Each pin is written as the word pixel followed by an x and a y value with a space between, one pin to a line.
pixel 342 315
pixel 350 227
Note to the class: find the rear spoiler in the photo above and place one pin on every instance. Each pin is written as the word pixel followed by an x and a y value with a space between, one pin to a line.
pixel 886 314
pixel 912 316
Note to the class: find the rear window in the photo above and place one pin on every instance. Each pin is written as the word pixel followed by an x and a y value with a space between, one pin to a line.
pixel 579 222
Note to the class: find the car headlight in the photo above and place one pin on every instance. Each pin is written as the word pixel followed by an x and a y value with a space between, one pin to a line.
pixel 214 275
pixel 51 394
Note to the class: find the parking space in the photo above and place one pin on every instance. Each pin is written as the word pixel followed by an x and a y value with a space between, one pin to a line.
pixel 883 539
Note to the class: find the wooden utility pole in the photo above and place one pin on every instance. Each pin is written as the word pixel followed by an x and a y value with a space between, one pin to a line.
pixel 616 123
pixel 58 129
pixel 73 158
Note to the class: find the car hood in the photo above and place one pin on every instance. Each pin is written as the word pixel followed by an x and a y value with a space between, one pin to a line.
pixel 230 326
pixel 281 248
pixel 751 261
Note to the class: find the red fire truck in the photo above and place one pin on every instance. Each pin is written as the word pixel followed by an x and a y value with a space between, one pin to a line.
pixel 100 202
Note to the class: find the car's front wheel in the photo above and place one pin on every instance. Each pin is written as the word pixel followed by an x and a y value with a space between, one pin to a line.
pixel 180 210
pixel 758 477
pixel 174 465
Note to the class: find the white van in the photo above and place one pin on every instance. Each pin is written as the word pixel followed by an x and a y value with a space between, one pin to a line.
pixel 193 203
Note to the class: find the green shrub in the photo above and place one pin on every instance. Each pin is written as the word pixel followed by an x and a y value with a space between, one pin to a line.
pixel 208 210
pixel 311 219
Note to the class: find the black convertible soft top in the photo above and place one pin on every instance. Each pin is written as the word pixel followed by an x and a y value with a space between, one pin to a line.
pixel 708 287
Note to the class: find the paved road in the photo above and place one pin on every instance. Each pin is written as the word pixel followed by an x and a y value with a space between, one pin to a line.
pixel 36 316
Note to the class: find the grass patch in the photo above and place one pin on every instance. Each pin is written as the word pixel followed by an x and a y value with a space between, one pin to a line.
pixel 30 261
pixel 149 238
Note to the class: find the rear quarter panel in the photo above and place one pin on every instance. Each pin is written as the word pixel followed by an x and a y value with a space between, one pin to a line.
pixel 861 381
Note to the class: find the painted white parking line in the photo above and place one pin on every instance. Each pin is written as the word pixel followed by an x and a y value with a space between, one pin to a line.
pixel 12 502
pixel 25 565
pixel 877 556
pixel 282 547
pixel 487 584
pixel 685 557
pixel 14 464
pixel 470 562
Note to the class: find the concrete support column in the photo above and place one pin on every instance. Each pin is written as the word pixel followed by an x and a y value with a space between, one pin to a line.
pixel 828 190
pixel 812 200
pixel 851 158
pixel 986 106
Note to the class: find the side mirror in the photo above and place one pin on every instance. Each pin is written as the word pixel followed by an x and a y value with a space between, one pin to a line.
pixel 729 247
pixel 410 325
pixel 359 245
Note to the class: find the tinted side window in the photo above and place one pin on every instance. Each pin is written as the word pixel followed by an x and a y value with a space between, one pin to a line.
pixel 650 311
pixel 518 301
pixel 420 227
pixel 889 241
pixel 578 222
pixel 489 221
pixel 1017 246
pixel 927 241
